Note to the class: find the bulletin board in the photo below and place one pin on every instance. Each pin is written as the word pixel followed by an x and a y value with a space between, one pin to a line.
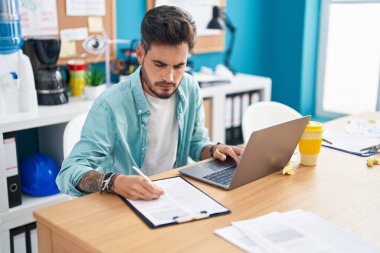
pixel 204 43
pixel 70 22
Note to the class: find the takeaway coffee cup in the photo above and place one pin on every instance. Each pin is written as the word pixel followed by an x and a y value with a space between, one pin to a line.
pixel 310 143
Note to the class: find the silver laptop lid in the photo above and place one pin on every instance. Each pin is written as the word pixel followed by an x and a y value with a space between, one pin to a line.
pixel 268 150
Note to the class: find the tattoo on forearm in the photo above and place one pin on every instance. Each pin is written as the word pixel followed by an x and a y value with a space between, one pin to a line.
pixel 90 181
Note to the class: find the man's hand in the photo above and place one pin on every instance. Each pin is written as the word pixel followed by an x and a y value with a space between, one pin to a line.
pixel 135 187
pixel 221 152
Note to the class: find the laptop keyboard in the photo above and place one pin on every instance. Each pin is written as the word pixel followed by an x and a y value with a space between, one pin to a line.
pixel 222 177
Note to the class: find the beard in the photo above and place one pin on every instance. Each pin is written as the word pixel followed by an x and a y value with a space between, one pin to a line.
pixel 153 87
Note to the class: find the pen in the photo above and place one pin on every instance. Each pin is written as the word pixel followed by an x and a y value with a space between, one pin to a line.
pixel 372 149
pixel 327 141
pixel 141 174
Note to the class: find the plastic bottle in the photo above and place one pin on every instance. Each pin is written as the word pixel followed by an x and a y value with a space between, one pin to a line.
pixel 10 29
pixel 77 76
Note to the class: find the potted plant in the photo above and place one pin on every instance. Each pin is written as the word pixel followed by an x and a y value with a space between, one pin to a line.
pixel 94 83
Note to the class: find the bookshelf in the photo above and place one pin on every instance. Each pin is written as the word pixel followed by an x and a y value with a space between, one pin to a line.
pixel 50 122
pixel 216 97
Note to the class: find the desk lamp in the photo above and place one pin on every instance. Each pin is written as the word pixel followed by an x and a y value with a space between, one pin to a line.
pixel 220 20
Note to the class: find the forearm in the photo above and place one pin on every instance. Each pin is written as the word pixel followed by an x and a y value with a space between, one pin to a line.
pixel 90 182
pixel 133 187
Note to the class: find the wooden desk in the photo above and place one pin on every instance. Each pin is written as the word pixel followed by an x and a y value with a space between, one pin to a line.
pixel 340 189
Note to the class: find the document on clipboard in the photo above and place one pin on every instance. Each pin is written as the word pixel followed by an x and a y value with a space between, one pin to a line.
pixel 182 202
pixel 350 143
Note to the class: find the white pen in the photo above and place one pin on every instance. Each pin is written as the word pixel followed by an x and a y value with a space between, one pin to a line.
pixel 141 174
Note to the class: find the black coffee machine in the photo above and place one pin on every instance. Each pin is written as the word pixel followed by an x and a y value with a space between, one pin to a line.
pixel 43 54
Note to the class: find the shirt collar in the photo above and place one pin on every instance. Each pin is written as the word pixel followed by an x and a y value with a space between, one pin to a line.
pixel 138 92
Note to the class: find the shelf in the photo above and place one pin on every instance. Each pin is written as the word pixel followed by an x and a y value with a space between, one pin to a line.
pixel 23 214
pixel 46 115
pixel 241 83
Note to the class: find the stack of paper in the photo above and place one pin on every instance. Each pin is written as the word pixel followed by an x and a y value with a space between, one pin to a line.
pixel 206 80
pixel 293 231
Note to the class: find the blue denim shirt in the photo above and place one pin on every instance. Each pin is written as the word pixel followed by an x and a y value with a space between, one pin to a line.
pixel 114 136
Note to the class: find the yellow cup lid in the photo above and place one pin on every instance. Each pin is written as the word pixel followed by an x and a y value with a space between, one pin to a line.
pixel 314 126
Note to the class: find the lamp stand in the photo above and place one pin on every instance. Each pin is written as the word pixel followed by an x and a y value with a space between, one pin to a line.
pixel 232 30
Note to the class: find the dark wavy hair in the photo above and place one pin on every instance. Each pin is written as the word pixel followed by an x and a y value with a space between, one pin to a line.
pixel 167 25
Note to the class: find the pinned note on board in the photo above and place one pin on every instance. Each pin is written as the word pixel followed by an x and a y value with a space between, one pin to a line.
pixel 80 33
pixel 68 48
pixel 85 8
pixel 95 24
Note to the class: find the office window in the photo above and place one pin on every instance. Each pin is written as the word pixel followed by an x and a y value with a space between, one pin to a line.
pixel 349 58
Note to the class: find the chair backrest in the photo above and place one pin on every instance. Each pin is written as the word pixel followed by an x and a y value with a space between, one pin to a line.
pixel 265 114
pixel 72 132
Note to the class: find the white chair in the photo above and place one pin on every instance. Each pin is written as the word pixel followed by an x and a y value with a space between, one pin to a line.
pixel 72 132
pixel 265 114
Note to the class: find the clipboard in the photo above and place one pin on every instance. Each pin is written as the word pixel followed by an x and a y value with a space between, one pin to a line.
pixel 362 154
pixel 182 202
pixel 350 143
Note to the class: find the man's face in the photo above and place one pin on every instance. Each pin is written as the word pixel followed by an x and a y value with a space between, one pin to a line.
pixel 162 68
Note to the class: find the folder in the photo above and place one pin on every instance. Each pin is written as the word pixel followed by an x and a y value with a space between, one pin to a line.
pixel 228 123
pixel 236 120
pixel 18 240
pixel 11 170
pixel 32 237
pixel 182 202
pixel 244 103
pixel 255 97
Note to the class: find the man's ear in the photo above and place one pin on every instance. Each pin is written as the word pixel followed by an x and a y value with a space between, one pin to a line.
pixel 140 52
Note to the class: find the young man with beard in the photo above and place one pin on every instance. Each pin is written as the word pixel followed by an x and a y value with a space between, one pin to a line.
pixel 154 120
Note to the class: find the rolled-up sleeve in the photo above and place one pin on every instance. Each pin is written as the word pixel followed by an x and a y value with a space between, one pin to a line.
pixel 92 152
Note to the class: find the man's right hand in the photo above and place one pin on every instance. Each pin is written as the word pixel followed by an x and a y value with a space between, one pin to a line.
pixel 135 187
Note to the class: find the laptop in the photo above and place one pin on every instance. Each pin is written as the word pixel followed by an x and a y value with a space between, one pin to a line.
pixel 267 151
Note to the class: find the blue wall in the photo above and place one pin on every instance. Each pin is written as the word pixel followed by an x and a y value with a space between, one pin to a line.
pixel 275 38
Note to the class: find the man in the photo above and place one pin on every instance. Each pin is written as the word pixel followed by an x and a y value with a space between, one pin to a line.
pixel 154 120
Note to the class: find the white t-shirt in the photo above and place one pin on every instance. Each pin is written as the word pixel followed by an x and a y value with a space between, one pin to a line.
pixel 162 135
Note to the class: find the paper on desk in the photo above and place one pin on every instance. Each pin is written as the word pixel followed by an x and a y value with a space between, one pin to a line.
pixel 234 236
pixel 273 233
pixel 180 200
pixel 294 231
pixel 368 127
pixel 351 143
pixel 329 233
